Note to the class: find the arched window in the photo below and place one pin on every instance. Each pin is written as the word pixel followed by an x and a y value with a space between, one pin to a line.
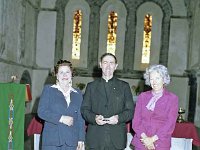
pixel 113 13
pixel 75 42
pixel 148 35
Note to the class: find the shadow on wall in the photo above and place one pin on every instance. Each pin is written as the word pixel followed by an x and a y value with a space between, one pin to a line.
pixel 96 72
pixel 51 79
pixel 140 87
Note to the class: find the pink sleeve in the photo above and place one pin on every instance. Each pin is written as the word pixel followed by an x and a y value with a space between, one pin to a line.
pixel 137 119
pixel 168 128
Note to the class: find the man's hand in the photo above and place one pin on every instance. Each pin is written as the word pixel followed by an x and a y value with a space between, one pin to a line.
pixel 113 120
pixel 100 120
pixel 67 120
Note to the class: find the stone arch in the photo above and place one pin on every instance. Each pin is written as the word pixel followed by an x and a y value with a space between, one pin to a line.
pixel 25 78
pixel 119 8
pixel 133 6
pixel 72 6
pixel 157 15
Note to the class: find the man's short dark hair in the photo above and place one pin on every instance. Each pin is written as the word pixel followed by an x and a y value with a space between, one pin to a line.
pixel 108 54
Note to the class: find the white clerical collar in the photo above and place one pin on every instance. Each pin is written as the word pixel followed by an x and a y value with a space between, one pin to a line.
pixel 107 79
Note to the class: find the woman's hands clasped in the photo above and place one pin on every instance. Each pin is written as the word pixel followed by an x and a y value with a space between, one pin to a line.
pixel 149 142
pixel 67 120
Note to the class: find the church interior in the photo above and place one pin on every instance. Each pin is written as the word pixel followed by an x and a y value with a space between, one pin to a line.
pixel 35 34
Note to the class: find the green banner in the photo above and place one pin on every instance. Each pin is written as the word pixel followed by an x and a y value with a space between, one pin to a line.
pixel 12 105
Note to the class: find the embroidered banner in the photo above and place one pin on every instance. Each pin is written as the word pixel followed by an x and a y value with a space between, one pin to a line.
pixel 12 105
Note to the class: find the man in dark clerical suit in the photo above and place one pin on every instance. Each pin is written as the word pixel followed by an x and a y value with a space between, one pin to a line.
pixel 107 106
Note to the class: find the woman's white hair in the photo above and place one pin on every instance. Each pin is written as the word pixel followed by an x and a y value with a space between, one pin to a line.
pixel 162 70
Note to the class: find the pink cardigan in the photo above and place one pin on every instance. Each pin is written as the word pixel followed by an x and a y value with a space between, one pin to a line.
pixel 160 122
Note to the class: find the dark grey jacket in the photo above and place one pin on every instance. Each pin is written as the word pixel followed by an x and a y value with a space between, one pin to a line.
pixel 118 101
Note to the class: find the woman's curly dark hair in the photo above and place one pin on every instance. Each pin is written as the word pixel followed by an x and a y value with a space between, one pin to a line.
pixel 62 62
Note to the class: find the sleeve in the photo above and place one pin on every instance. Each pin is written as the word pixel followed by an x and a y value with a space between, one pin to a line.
pixel 168 128
pixel 43 108
pixel 137 125
pixel 81 122
pixel 127 113
pixel 86 108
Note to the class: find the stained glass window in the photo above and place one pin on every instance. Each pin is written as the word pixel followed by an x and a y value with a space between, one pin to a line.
pixel 77 24
pixel 112 32
pixel 146 39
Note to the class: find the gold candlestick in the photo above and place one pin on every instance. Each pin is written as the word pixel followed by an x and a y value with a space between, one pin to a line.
pixel 180 117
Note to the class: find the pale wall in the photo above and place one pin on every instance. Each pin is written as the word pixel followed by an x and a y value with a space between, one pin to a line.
pixel 46 30
pixel 179 86
pixel 178 46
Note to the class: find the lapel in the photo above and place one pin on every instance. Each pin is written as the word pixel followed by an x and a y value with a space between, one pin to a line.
pixel 113 91
pixel 61 98
pixel 73 103
pixel 100 89
pixel 63 101
pixel 107 96
pixel 72 98
pixel 165 96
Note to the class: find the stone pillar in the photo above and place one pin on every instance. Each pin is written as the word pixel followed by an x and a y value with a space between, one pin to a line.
pixel 197 117
pixel 45 47
pixel 2 25
pixel 93 38
pixel 192 95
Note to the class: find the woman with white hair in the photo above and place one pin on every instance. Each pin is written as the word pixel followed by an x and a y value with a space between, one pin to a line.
pixel 155 113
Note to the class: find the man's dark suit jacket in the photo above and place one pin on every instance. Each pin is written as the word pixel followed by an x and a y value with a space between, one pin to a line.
pixel 117 102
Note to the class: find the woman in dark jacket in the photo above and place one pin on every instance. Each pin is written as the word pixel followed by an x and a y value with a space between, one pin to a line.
pixel 59 107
